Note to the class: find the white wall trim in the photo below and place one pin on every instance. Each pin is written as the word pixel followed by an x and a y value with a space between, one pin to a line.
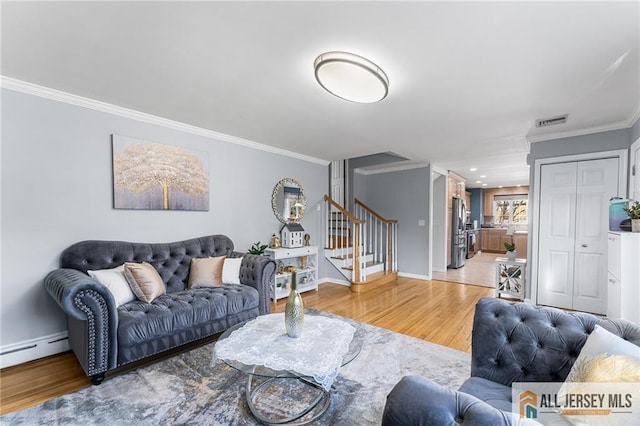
pixel 393 167
pixel 415 276
pixel 334 281
pixel 581 132
pixel 28 350
pixel 68 98
pixel 634 147
pixel 623 157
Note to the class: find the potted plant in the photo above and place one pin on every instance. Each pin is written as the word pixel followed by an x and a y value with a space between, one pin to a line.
pixel 633 211
pixel 511 249
pixel 257 248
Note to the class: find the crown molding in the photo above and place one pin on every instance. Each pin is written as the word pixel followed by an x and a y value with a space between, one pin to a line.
pixel 391 167
pixel 605 128
pixel 68 98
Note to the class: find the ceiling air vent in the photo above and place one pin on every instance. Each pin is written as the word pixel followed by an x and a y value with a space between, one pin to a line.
pixel 545 122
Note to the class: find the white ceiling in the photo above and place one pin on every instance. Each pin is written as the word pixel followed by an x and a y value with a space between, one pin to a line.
pixel 467 80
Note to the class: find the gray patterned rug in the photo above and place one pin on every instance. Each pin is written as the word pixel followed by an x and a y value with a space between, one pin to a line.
pixel 191 389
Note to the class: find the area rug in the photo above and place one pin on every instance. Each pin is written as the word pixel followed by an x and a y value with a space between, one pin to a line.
pixel 192 389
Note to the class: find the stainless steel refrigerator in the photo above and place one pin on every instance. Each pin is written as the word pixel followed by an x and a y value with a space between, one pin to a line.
pixel 458 233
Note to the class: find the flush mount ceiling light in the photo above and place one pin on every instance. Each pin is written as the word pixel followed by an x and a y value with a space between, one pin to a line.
pixel 351 77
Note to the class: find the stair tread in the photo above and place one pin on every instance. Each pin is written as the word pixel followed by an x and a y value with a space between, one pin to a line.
pixel 366 265
pixel 350 256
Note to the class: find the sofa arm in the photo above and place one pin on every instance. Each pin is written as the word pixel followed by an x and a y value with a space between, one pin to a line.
pixel 92 315
pixel 416 400
pixel 258 272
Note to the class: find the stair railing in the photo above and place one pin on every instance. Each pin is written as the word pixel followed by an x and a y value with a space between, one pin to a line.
pixel 382 235
pixel 346 233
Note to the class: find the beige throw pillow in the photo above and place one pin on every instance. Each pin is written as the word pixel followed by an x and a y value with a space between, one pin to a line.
pixel 144 280
pixel 206 272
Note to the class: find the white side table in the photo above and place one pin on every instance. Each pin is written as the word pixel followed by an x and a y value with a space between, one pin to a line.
pixel 307 269
pixel 511 276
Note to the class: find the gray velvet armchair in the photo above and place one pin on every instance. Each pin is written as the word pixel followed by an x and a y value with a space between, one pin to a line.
pixel 511 342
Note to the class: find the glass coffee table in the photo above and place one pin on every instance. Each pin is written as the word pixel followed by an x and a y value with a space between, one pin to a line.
pixel 289 380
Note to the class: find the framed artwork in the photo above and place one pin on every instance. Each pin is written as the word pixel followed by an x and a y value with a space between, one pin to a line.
pixel 154 176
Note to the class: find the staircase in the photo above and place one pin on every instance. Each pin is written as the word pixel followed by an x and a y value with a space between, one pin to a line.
pixel 361 245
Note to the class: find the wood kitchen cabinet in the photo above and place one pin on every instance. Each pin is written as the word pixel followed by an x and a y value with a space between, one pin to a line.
pixel 488 196
pixel 456 187
pixel 493 241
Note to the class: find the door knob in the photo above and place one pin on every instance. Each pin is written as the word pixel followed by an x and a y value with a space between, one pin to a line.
pixel 584 245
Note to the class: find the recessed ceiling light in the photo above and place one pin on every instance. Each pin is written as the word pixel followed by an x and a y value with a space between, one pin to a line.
pixel 518 186
pixel 500 186
pixel 484 184
pixel 478 181
pixel 473 169
pixel 351 77
pixel 483 176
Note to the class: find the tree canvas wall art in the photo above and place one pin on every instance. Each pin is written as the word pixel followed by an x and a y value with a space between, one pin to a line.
pixel 154 176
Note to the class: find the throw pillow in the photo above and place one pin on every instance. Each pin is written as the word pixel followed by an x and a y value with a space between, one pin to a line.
pixel 231 270
pixel 607 369
pixel 115 281
pixel 600 342
pixel 206 272
pixel 144 281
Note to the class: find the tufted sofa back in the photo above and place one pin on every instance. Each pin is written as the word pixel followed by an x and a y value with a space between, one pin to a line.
pixel 518 342
pixel 171 260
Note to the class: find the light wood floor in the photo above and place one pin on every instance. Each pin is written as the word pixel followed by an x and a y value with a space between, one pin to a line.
pixel 440 312
pixel 479 270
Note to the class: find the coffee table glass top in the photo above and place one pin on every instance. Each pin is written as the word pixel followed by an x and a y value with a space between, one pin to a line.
pixel 258 369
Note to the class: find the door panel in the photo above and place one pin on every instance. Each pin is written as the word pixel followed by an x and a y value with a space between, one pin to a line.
pixel 597 183
pixel 557 225
pixel 574 206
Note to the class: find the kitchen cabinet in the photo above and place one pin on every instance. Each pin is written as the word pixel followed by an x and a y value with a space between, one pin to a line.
pixel 456 187
pixel 493 241
pixel 487 202
pixel 623 278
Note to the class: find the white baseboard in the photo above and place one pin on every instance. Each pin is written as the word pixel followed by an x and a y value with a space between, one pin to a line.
pixel 18 353
pixel 334 281
pixel 416 276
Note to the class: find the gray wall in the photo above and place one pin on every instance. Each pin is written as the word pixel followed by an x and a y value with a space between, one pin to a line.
pixel 635 131
pixel 403 195
pixel 595 142
pixel 57 190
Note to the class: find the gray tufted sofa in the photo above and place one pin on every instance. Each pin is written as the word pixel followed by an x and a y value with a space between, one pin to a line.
pixel 511 342
pixel 104 338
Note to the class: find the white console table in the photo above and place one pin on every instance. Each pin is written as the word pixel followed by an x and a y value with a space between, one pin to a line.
pixel 511 277
pixel 307 277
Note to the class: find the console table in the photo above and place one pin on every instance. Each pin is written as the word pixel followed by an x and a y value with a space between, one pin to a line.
pixel 511 277
pixel 303 259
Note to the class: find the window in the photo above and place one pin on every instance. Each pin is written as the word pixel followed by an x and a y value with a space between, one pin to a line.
pixel 510 209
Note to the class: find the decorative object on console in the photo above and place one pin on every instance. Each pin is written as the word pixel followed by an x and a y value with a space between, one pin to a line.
pixel 153 176
pixel 257 248
pixel 275 242
pixel 291 235
pixel 303 262
pixel 307 240
pixel 294 309
pixel 510 247
pixel 634 214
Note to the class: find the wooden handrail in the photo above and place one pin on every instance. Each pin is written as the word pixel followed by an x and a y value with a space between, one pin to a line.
pixel 369 210
pixel 342 210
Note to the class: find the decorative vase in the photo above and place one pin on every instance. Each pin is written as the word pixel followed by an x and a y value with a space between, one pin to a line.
pixel 511 255
pixel 303 262
pixel 294 310
pixel 635 225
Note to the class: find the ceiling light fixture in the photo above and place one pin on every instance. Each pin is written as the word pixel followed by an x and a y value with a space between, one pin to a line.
pixel 351 77
pixel 473 169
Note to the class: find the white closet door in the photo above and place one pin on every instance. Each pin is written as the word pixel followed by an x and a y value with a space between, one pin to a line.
pixel 574 206
pixel 556 243
pixel 634 189
pixel 597 182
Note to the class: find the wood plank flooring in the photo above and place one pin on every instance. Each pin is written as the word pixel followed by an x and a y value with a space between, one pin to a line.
pixel 479 270
pixel 437 311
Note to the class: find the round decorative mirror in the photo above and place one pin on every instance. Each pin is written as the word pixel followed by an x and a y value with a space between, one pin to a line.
pixel 288 201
